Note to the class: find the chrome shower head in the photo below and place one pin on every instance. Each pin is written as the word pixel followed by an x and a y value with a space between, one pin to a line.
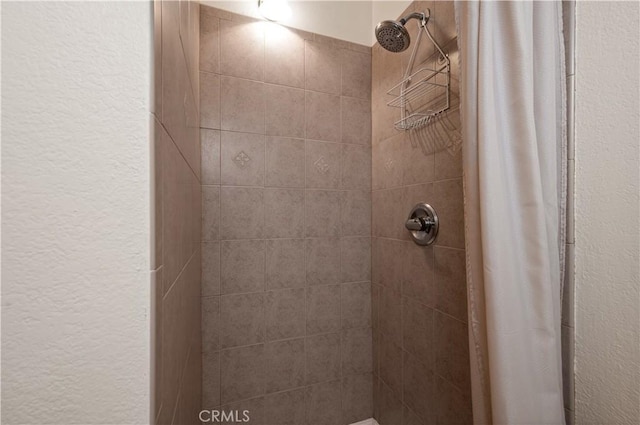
pixel 393 36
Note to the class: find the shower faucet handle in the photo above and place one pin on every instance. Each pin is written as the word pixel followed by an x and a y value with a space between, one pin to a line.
pixel 419 224
pixel 423 224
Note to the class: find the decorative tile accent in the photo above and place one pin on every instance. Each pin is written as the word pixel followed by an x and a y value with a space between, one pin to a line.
pixel 388 164
pixel 241 159
pixel 321 165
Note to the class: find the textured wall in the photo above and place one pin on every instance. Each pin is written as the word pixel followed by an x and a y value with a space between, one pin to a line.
pixel 75 218
pixel 176 267
pixel 421 354
pixel 286 165
pixel 607 282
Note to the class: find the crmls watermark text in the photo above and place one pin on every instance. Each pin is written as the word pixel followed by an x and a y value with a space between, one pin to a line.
pixel 218 416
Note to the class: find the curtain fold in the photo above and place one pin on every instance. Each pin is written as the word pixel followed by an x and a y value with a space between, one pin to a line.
pixel 514 153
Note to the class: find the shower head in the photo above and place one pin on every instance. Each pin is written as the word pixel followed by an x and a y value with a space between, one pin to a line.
pixel 393 36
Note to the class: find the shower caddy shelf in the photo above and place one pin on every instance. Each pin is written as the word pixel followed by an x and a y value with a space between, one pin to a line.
pixel 410 94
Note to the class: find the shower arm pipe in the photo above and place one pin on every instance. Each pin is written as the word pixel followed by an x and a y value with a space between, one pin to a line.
pixel 423 18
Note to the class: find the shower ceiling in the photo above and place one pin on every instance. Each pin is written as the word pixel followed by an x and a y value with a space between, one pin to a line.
pixel 347 20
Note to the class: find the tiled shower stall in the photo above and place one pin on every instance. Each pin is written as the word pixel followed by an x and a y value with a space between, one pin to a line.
pixel 421 352
pixel 286 252
pixel 316 307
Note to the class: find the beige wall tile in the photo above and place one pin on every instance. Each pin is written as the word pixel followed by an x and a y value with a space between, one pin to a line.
pixel 356 167
pixel 211 324
pixel 323 358
pixel 323 165
pixel 209 43
pixel 391 316
pixel 409 417
pixel 322 213
pixel 210 380
pixel 390 410
pixel 418 388
pixel 242 49
pixel 356 120
pixel 210 268
pixel 452 351
pixel 322 261
pixel 284 213
pixel 285 263
pixel 387 163
pixel 285 162
pixel 180 192
pixel 284 111
pixel 209 100
pixel 375 312
pixel 322 67
pixel 322 116
pixel 386 72
pixel 242 373
pixel 417 331
pixel 417 161
pixel 178 330
pixel 388 258
pixel 356 351
pixel 388 215
pixel 210 156
pixel 451 282
pixel 285 408
pixel 357 398
pixel 284 364
pixel 355 213
pixel 356 74
pixel 418 281
pixel 242 320
pixel 285 314
pixel 448 203
pixel 355 259
pixel 323 403
pixel 242 105
pixel 284 57
pixel 241 213
pixel 177 163
pixel 445 22
pixel 242 266
pixel 323 309
pixel 174 75
pixel 242 157
pixel 355 299
pixel 391 364
pixel 210 213
pixel 452 405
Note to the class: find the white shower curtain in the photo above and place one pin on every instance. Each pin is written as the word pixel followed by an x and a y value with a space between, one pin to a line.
pixel 513 117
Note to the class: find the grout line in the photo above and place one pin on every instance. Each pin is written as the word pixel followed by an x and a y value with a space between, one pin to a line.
pixel 179 275
pixel 334 94
pixel 364 145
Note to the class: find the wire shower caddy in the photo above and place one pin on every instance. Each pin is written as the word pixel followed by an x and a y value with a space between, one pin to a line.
pixel 423 94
